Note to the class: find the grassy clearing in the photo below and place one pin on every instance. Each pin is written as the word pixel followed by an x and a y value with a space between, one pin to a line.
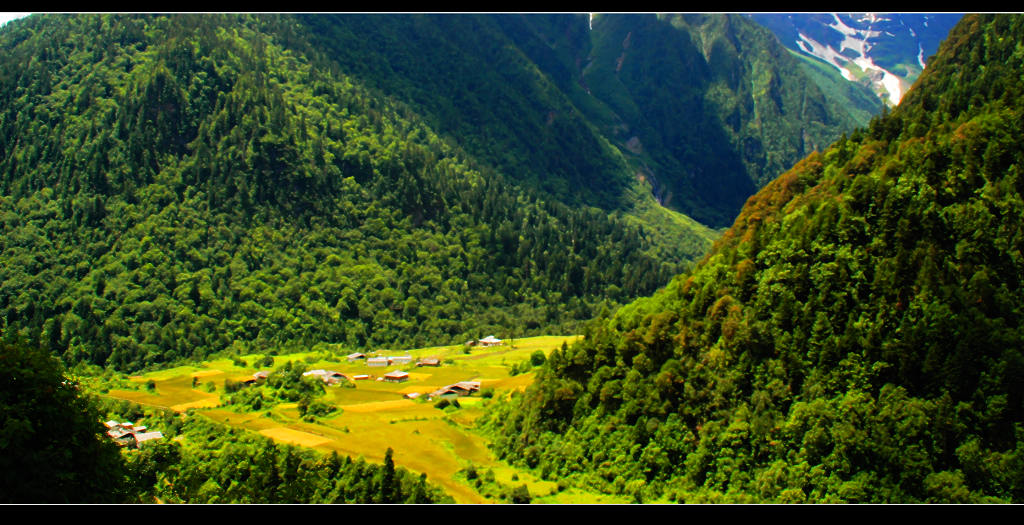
pixel 202 403
pixel 172 389
pixel 295 437
pixel 374 415
pixel 520 350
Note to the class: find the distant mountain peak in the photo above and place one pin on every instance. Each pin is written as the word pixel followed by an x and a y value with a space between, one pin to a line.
pixel 886 51
pixel 858 41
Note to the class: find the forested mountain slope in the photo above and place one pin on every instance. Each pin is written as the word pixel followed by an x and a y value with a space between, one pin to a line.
pixel 855 336
pixel 703 109
pixel 711 106
pixel 472 82
pixel 174 186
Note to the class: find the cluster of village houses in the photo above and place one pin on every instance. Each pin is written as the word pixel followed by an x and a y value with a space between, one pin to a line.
pixel 462 388
pixel 330 377
pixel 126 434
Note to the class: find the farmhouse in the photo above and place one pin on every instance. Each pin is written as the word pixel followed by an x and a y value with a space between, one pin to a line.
pixel 361 377
pixel 356 356
pixel 429 361
pixel 334 378
pixel 490 341
pixel 377 361
pixel 462 388
pixel 147 436
pixel 397 376
pixel 444 393
pixel 327 376
pixel 122 439
pixel 117 433
pixel 412 395
pixel 400 359
pixel 468 386
pixel 128 435
pixel 261 375
pixel 319 373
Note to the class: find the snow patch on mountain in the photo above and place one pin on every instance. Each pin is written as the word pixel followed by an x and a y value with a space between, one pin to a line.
pixel 885 51
pixel 858 41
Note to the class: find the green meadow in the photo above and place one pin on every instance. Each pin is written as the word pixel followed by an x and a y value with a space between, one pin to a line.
pixel 374 415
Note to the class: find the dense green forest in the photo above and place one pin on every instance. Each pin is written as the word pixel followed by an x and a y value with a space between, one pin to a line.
pixel 711 106
pixel 176 186
pixel 54 449
pixel 173 186
pixel 702 109
pixel 472 81
pixel 854 337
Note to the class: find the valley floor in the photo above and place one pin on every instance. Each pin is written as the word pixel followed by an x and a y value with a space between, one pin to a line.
pixel 374 415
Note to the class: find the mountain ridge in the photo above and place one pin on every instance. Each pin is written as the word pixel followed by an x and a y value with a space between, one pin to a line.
pixel 571 63
pixel 853 337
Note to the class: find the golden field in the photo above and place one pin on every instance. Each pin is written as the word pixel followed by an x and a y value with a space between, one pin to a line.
pixel 374 415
